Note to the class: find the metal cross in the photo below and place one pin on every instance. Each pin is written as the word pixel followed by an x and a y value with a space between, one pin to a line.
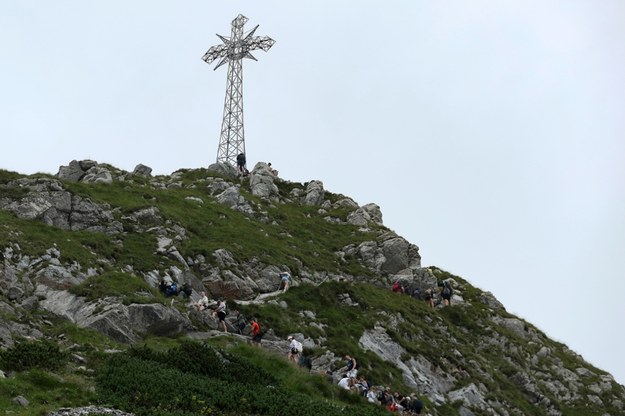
pixel 233 50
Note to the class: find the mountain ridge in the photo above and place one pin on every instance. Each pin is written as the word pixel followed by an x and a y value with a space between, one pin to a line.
pixel 112 236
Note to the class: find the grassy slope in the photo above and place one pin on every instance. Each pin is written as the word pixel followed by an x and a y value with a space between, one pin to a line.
pixel 298 237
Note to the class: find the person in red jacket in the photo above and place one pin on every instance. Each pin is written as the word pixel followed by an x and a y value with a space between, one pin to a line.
pixel 255 332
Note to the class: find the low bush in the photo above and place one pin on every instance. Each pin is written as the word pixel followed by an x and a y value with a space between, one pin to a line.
pixel 42 354
pixel 138 383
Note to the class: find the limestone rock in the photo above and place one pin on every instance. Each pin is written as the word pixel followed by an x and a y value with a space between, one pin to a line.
pixel 262 182
pixel 315 193
pixel 46 200
pixel 224 169
pixel 73 172
pixel 97 174
pixel 142 170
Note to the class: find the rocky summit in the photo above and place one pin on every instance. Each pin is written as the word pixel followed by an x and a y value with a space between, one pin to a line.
pixel 102 271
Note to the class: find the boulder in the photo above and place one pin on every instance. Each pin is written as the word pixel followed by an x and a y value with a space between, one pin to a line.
pixel 231 197
pixel 224 169
pixel 315 193
pixel 73 172
pixel 119 322
pixel 262 182
pixel 365 215
pixel 46 200
pixel 97 174
pixel 142 170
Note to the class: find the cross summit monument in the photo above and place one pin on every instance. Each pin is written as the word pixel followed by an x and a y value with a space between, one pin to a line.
pixel 233 50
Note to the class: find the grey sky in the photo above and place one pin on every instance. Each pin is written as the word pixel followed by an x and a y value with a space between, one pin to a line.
pixel 492 134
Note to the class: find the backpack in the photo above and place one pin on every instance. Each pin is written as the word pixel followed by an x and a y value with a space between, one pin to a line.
pixel 299 347
pixel 446 291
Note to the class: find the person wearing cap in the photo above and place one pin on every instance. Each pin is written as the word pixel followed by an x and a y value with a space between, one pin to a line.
pixel 294 348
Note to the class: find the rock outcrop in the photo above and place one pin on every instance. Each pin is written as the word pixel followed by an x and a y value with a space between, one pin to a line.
pixel 181 223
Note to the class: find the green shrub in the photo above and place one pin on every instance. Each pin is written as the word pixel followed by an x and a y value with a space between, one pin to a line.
pixel 42 354
pixel 147 387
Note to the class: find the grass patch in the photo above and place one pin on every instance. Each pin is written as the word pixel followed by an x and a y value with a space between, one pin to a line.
pixel 128 287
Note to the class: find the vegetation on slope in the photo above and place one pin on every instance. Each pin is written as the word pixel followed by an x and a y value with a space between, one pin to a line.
pixel 176 377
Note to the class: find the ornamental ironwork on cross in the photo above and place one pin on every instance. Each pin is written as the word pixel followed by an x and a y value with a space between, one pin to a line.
pixel 233 50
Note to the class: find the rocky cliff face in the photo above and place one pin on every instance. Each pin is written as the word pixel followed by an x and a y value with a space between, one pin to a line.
pixel 230 237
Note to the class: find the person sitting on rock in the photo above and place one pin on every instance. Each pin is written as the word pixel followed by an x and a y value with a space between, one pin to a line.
pixel 202 304
pixel 415 405
pixel 346 383
pixel 272 170
pixel 400 401
pixel 352 371
pixel 363 386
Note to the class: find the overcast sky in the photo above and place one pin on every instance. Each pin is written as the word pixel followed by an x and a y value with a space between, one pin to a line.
pixel 491 134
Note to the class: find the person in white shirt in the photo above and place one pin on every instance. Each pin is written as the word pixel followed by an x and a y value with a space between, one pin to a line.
pixel 202 303
pixel 294 349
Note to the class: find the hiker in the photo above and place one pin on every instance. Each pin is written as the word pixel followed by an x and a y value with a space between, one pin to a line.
pixel 241 164
pixel 168 288
pixel 272 170
pixel 285 279
pixel 347 383
pixel 241 323
pixel 416 293
pixel 221 313
pixel 255 332
pixel 446 293
pixel 203 302
pixel 162 286
pixel 352 371
pixel 372 397
pixel 171 290
pixel 305 362
pixel 386 398
pixel 415 405
pixel 363 386
pixel 295 347
pixel 429 297
pixel 401 402
pixel 397 288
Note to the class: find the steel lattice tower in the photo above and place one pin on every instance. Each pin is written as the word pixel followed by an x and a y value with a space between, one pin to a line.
pixel 233 50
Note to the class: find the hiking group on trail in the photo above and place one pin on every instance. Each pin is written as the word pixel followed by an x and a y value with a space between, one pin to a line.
pixel 395 402
pixel 444 297
pixel 351 379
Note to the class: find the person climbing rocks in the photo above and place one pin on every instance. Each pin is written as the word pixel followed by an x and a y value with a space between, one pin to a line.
pixel 241 162
pixel 257 335
pixel 397 287
pixel 428 296
pixel 241 323
pixel 295 347
pixel 285 280
pixel 446 293
pixel 220 312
